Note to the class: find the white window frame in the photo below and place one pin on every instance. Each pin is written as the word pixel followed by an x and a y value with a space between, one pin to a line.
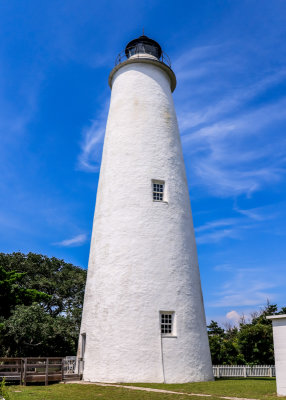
pixel 158 191
pixel 166 322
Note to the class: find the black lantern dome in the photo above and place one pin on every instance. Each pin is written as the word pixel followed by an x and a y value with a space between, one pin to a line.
pixel 143 44
pixel 144 50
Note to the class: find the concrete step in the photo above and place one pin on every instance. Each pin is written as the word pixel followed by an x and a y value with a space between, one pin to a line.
pixel 72 377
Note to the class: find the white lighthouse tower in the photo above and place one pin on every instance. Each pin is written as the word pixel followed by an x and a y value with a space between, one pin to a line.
pixel 143 316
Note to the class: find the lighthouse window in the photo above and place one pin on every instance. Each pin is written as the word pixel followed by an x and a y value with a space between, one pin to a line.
pixel 166 323
pixel 158 191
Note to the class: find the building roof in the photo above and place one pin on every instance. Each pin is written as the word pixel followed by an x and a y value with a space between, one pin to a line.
pixel 281 316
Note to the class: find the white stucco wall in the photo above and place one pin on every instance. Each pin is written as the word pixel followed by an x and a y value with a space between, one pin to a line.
pixel 279 337
pixel 143 255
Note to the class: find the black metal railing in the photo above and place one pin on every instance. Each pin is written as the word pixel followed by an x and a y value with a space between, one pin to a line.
pixel 139 52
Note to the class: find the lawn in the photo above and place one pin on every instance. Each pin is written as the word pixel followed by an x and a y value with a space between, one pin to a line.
pixel 255 388
pixel 263 389
pixel 86 392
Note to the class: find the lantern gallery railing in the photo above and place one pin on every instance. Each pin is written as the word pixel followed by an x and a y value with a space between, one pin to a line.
pixel 139 51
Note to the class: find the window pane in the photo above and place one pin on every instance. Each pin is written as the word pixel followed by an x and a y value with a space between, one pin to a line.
pixel 166 323
pixel 158 191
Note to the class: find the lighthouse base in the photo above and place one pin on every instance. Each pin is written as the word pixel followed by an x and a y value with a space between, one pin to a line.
pixel 166 361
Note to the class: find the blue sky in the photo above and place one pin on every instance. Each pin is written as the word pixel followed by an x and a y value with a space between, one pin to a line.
pixel 230 62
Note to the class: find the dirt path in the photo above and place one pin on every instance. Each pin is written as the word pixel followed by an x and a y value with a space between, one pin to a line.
pixel 159 390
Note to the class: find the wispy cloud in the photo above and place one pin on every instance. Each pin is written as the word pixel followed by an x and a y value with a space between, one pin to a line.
pixel 215 231
pixel 232 228
pixel 221 155
pixel 199 61
pixel 216 224
pixel 230 103
pixel 73 242
pixel 246 287
pixel 92 142
pixel 226 132
pixel 216 236
pixel 223 267
pixel 18 112
pixel 258 213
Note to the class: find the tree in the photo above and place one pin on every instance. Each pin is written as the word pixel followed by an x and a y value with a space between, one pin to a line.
pixel 260 316
pixel 32 331
pixel 255 342
pixel 215 329
pixel 223 345
pixel 255 339
pixel 13 293
pixel 42 300
pixel 249 343
pixel 63 282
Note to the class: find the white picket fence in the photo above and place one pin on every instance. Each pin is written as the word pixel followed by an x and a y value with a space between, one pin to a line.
pixel 244 371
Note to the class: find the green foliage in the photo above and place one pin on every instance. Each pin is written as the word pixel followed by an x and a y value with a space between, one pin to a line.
pixel 31 330
pixel 14 292
pixel 4 391
pixel 63 282
pixel 224 349
pixel 250 343
pixel 260 317
pixel 255 342
pixel 41 305
pixel 214 329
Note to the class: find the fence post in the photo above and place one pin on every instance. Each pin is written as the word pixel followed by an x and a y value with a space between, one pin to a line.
pixel 25 372
pixel 244 372
pixel 270 371
pixel 218 372
pixel 63 367
pixel 47 372
pixel 21 372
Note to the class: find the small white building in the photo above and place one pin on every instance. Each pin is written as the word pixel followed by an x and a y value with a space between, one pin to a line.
pixel 143 316
pixel 279 337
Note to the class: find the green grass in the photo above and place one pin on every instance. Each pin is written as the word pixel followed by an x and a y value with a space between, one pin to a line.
pixel 255 388
pixel 86 392
pixel 263 389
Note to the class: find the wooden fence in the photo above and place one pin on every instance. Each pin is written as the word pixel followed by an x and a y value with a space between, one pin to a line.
pixel 244 371
pixel 41 369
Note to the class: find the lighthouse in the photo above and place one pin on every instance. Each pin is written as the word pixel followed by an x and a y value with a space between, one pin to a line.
pixel 143 315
